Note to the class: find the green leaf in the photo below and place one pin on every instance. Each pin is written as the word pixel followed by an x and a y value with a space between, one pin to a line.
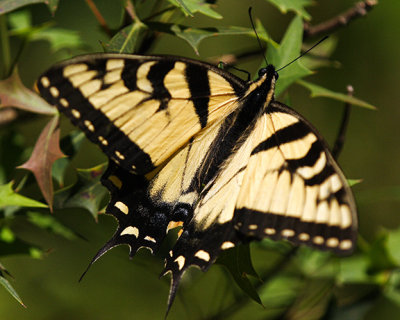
pixel 20 20
pixel 312 301
pixel 393 245
pixel 353 182
pixel 287 51
pixel 12 152
pixel 10 5
pixel 86 193
pixel 193 36
pixel 392 287
pixel 280 292
pixel 296 6
pixel 70 144
pixel 9 198
pixel 7 235
pixel 317 91
pixel 14 94
pixel 189 7
pixel 6 284
pixel 49 222
pixel 45 152
pixel 314 263
pixel 18 246
pixel 237 260
pixel 58 38
pixel 126 40
pixel 354 269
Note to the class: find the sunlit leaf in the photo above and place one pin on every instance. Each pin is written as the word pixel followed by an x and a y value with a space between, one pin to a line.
pixel 10 198
pixel 296 6
pixel 318 91
pixel 10 5
pixel 86 193
pixel 45 152
pixel 6 284
pixel 189 7
pixel 14 94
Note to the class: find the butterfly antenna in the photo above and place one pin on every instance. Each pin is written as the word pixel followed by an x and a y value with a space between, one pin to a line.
pixel 258 38
pixel 304 53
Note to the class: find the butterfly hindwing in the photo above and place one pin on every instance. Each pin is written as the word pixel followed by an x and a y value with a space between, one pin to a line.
pixel 140 109
pixel 294 189
pixel 281 183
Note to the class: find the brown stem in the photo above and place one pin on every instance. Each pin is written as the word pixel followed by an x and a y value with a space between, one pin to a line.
pixel 99 17
pixel 337 148
pixel 360 9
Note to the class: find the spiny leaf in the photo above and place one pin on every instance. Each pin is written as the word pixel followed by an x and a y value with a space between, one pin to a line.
pixel 318 91
pixel 237 260
pixel 45 152
pixel 86 193
pixel 14 94
pixel 296 6
pixel 10 198
pixel 6 284
pixel 10 5
pixel 189 7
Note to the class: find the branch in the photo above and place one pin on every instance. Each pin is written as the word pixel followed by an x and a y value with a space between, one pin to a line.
pixel 360 9
pixel 337 148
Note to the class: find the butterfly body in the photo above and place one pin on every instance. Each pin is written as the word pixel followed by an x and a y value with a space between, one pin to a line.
pixel 192 145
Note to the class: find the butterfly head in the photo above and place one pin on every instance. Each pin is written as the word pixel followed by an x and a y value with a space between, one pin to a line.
pixel 263 88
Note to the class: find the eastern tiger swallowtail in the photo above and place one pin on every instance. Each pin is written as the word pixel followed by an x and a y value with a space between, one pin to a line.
pixel 193 145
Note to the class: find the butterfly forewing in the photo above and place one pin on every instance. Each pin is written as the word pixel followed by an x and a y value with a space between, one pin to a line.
pixel 140 109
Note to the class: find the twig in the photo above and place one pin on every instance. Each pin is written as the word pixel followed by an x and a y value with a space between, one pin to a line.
pixel 130 9
pixel 360 9
pixel 337 148
pixel 99 17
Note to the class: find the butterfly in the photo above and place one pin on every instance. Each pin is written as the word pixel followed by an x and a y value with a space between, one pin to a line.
pixel 193 146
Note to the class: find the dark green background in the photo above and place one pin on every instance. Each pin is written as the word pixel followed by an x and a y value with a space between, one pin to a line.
pixel 368 50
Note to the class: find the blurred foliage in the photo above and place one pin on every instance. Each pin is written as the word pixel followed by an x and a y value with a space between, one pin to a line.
pixel 288 283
